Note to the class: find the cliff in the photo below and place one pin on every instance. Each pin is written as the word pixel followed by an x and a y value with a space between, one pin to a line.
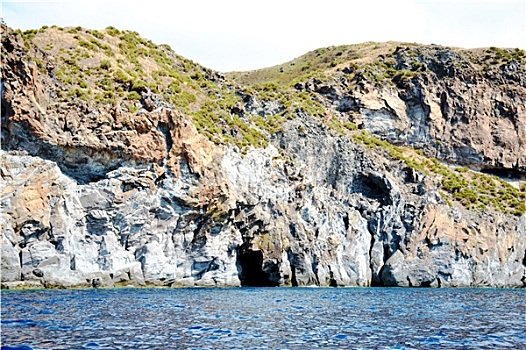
pixel 375 164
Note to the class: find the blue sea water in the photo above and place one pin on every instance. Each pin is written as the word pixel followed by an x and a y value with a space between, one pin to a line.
pixel 264 318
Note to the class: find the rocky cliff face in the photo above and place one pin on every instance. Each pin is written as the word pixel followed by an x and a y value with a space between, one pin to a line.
pixel 463 107
pixel 98 193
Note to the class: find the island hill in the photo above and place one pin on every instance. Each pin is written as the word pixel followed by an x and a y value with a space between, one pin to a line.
pixel 379 164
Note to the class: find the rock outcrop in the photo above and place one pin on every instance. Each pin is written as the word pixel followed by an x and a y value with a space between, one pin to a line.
pixel 450 105
pixel 97 195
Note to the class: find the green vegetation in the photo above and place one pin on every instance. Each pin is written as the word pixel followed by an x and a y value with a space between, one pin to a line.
pixel 325 60
pixel 112 31
pixel 471 189
pixel 504 55
pixel 336 125
pixel 109 65
pixel 115 67
pixel 133 95
pixel 28 35
pixel 350 126
pixel 493 57
pixel 105 64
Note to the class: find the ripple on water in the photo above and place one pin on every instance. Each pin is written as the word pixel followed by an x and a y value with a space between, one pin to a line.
pixel 18 323
pixel 264 318
pixel 92 345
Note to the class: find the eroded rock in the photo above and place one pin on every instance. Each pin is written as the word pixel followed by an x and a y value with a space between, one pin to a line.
pixel 100 197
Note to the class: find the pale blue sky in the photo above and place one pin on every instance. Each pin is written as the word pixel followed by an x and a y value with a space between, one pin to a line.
pixel 239 35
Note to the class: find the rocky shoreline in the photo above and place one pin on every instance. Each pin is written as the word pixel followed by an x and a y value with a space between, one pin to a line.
pixel 99 195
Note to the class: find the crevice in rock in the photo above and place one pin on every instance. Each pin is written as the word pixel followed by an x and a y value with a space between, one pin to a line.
pixel 334 172
pixel 164 129
pixel 293 279
pixel 199 237
pixel 332 280
pixel 314 266
pixel 199 226
pixel 379 281
pixel 20 259
pixel 292 230
pixel 375 282
pixel 409 283
pixel 203 267
pixel 294 267
pixel 346 221
pixel 160 179
pixel 386 252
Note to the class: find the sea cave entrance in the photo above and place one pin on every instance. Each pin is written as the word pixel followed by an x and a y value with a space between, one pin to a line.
pixel 250 269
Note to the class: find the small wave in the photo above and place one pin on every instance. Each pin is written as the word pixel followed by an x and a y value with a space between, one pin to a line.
pixel 18 323
pixel 91 345
pixel 16 347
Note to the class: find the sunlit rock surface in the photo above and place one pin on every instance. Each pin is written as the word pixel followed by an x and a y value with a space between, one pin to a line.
pixel 101 197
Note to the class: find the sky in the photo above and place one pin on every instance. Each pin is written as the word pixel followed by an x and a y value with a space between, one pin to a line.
pixel 228 35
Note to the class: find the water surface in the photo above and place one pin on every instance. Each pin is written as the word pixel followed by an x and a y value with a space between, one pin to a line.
pixel 265 318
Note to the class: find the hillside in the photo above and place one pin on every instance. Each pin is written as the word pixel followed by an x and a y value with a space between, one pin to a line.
pixel 372 164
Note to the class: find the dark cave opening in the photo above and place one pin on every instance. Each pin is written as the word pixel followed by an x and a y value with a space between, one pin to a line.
pixel 425 284
pixel 373 187
pixel 250 269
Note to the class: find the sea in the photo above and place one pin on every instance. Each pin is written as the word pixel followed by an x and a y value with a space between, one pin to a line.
pixel 264 318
